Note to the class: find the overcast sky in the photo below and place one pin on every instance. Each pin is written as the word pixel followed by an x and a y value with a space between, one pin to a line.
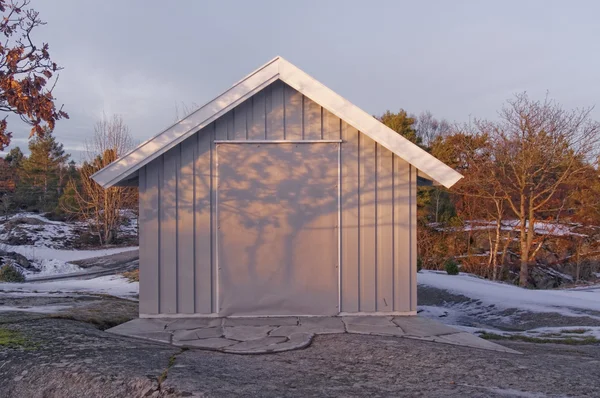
pixel 458 59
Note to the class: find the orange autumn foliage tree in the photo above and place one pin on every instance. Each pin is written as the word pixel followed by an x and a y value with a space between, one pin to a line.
pixel 25 71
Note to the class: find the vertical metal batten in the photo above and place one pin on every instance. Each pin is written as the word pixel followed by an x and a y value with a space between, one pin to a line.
pixel 339 228
pixel 177 204
pixel 159 235
pixel 216 287
pixel 194 154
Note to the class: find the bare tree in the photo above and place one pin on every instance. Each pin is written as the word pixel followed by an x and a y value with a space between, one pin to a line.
pixel 183 110
pixel 428 128
pixel 536 148
pixel 102 208
pixel 472 152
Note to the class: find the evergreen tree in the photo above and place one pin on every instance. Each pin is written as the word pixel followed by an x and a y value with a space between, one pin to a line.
pixel 15 157
pixel 402 124
pixel 42 174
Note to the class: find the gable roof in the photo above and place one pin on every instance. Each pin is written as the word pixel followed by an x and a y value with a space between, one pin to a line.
pixel 278 68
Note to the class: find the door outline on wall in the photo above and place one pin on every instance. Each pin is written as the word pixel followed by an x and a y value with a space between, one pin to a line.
pixel 338 226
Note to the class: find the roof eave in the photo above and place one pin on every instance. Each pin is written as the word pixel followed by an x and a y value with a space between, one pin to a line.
pixel 178 132
pixel 367 124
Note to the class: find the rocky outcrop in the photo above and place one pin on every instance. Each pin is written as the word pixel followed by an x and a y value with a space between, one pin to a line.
pixel 16 258
pixel 548 278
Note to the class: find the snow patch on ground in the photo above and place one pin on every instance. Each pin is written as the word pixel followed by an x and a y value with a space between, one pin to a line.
pixel 114 285
pixel 447 315
pixel 568 302
pixel 40 309
pixel 58 261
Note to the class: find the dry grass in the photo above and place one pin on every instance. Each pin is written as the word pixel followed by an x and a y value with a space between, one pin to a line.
pixel 542 340
pixel 133 276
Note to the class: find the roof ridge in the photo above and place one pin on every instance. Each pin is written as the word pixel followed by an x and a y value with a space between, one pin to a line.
pixel 276 68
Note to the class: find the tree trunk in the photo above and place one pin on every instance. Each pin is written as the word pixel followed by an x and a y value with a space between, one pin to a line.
pixel 505 246
pixel 496 247
pixel 524 271
pixel 437 205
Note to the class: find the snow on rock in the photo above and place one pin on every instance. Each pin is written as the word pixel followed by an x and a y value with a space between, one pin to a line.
pixel 501 295
pixel 36 230
pixel 36 217
pixel 541 227
pixel 114 285
pixel 37 253
pixel 54 267
pixel 46 240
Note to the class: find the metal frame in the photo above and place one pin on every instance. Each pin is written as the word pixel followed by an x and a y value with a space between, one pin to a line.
pixel 339 226
pixel 339 209
pixel 216 232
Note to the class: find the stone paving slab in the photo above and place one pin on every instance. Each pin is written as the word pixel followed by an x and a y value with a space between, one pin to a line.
pixel 295 341
pixel 162 337
pixel 277 334
pixel 194 334
pixel 312 325
pixel 283 331
pixel 325 324
pixel 465 340
pixel 243 333
pixel 417 326
pixel 385 330
pixel 193 323
pixel 141 324
pixel 469 340
pixel 255 346
pixel 208 344
pixel 267 321
pixel 368 320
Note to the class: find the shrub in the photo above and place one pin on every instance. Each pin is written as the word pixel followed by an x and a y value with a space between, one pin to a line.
pixel 451 267
pixel 10 273
pixel 419 264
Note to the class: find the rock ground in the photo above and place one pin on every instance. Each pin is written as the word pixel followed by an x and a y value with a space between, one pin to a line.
pixel 474 313
pixel 67 358
pixel 74 359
